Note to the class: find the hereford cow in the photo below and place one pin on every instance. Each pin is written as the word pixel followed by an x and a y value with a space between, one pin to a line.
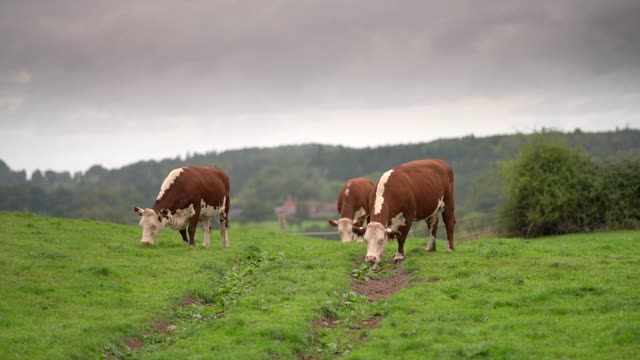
pixel 417 190
pixel 187 196
pixel 353 206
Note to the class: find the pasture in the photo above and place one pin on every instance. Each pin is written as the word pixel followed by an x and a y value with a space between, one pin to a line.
pixel 75 289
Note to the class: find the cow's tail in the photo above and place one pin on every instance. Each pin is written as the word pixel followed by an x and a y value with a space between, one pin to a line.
pixel 227 206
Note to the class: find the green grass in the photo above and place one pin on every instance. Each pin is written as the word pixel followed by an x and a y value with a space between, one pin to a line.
pixel 574 296
pixel 81 289
pixel 303 226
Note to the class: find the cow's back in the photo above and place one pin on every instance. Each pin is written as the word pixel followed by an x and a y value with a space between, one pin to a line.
pixel 416 186
pixel 210 182
pixel 354 196
pixel 430 181
pixel 193 184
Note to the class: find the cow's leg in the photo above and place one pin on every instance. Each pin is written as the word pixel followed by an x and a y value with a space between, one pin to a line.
pixel 404 231
pixel 357 237
pixel 193 225
pixel 449 222
pixel 183 232
pixel 432 224
pixel 223 234
pixel 224 226
pixel 206 226
pixel 366 222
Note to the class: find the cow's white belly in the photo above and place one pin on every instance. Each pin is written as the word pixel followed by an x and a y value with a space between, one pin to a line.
pixel 209 211
pixel 180 219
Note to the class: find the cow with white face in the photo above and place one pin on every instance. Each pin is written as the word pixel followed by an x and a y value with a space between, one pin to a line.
pixel 353 206
pixel 151 224
pixel 417 190
pixel 187 196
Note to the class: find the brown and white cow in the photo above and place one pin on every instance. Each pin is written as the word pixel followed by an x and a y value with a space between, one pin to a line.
pixel 187 196
pixel 417 190
pixel 353 206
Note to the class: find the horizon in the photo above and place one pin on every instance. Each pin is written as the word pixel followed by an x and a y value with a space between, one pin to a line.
pixel 189 155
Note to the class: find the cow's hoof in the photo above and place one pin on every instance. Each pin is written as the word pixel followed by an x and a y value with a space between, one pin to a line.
pixel 430 249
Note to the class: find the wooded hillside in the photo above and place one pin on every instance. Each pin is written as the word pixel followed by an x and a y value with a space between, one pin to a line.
pixel 262 178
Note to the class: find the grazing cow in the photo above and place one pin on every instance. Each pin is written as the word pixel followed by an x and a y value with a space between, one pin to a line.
pixel 187 196
pixel 353 206
pixel 417 190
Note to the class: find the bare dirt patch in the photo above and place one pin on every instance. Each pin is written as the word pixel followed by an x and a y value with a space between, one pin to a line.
pixel 371 323
pixel 133 343
pixel 188 300
pixel 378 289
pixel 325 322
pixel 162 327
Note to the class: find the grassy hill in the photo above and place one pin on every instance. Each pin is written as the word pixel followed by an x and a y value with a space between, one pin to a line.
pixel 83 289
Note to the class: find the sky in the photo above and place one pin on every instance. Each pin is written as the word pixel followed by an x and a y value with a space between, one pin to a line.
pixel 116 82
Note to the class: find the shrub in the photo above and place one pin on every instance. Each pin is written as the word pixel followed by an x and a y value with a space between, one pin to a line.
pixel 551 189
pixel 619 184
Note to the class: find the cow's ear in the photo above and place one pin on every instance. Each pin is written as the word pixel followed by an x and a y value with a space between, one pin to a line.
pixel 393 234
pixel 358 230
pixel 333 223
pixel 138 211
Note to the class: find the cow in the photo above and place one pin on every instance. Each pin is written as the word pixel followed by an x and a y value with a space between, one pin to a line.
pixel 417 190
pixel 353 206
pixel 187 196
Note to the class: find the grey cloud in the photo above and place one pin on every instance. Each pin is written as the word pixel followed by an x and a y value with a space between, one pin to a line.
pixel 147 58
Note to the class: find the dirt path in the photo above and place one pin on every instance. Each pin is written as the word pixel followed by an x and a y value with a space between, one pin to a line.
pixel 384 288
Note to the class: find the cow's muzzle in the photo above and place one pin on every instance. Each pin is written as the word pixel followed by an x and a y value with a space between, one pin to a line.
pixel 372 259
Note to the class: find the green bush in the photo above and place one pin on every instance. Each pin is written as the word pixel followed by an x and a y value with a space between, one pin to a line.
pixel 619 184
pixel 553 189
pixel 549 191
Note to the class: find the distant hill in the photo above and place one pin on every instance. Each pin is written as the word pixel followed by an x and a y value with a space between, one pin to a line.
pixel 262 178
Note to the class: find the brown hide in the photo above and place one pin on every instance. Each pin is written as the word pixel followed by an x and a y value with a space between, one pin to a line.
pixel 359 191
pixel 210 184
pixel 194 184
pixel 414 189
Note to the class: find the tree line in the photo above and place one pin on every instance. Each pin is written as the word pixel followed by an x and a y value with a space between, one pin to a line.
pixel 261 178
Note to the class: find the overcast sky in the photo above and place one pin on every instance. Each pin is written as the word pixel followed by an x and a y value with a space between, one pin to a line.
pixel 115 82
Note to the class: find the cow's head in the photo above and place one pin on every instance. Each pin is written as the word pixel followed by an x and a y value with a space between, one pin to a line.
pixel 151 223
pixel 344 226
pixel 376 237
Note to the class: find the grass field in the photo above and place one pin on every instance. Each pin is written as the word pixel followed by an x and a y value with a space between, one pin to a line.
pixel 75 289
pixel 304 226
